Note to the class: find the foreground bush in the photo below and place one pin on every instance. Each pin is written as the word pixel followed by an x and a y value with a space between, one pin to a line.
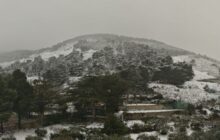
pixel 178 136
pixel 33 138
pixel 115 137
pixel 41 132
pixel 71 134
pixel 9 138
pixel 113 126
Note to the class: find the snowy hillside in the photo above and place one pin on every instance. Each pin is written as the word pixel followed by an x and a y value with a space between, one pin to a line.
pixel 88 44
pixel 192 91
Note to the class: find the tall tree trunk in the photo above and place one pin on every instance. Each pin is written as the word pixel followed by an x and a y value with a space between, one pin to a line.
pixel 42 118
pixel 2 127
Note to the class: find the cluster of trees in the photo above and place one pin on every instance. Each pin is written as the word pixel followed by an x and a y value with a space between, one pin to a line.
pixel 19 96
pixel 93 91
pixel 176 74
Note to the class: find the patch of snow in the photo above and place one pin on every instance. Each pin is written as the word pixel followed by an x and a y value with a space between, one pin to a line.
pixel 74 79
pixel 189 131
pixel 6 64
pixel 22 134
pixel 64 50
pixel 181 58
pixel 190 95
pixel 201 75
pixel 131 123
pixel 209 112
pixel 88 54
pixel 200 63
pixel 192 91
pixel 135 136
pixel 95 126
pixel 70 107
pixel 31 79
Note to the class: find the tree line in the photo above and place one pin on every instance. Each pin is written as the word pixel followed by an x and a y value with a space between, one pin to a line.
pixel 18 96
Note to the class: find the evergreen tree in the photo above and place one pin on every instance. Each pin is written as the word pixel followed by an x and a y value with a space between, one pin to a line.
pixel 6 102
pixel 44 96
pixel 105 89
pixel 24 94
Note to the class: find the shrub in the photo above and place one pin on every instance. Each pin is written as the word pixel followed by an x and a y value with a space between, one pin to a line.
pixel 163 131
pixel 115 137
pixel 33 138
pixel 176 74
pixel 71 134
pixel 209 90
pixel 138 128
pixel 178 136
pixel 9 138
pixel 196 126
pixel 113 126
pixel 41 132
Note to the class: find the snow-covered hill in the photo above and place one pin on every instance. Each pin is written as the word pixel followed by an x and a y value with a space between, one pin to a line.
pixel 89 43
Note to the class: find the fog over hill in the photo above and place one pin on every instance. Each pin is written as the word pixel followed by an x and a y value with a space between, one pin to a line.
pixel 104 38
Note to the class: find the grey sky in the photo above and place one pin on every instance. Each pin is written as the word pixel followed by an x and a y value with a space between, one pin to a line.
pixel 189 24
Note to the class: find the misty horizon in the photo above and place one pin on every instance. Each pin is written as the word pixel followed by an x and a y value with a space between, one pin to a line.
pixel 32 25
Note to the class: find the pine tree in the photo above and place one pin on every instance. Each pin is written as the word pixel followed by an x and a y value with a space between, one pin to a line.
pixel 24 94
pixel 6 100
pixel 43 97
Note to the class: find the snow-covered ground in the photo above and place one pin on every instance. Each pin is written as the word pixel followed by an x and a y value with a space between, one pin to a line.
pixel 201 63
pixel 64 50
pixel 192 91
pixel 88 54
pixel 131 123
pixel 22 134
pixel 154 133
pixel 95 126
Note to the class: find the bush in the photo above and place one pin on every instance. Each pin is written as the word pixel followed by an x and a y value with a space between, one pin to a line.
pixel 9 138
pixel 113 126
pixel 196 126
pixel 114 137
pixel 138 128
pixel 71 134
pixel 178 136
pixel 41 132
pixel 176 74
pixel 209 90
pixel 146 137
pixel 33 138
pixel 163 131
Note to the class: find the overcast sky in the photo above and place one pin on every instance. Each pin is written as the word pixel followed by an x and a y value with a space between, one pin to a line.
pixel 190 24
